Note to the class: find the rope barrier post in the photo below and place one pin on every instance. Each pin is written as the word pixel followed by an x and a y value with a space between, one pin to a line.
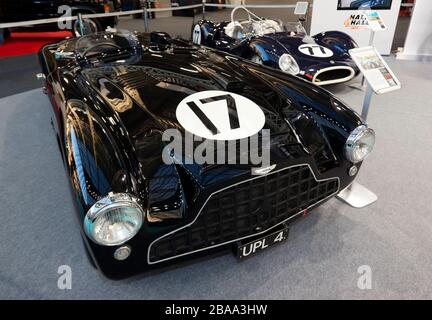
pixel 203 9
pixel 81 24
pixel 144 7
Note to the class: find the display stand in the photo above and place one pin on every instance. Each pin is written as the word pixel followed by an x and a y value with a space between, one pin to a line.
pixel 380 79
pixel 375 24
pixel 301 9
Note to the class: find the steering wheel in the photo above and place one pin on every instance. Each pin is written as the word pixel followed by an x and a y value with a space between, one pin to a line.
pixel 250 13
pixel 106 43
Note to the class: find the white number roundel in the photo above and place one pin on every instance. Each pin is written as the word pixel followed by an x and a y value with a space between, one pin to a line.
pixel 196 34
pixel 220 115
pixel 315 50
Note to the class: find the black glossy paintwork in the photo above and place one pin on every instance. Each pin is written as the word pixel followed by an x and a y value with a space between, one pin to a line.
pixel 270 47
pixel 109 117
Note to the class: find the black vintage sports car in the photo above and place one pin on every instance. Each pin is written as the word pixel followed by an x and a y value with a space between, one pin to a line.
pixel 322 59
pixel 27 10
pixel 115 95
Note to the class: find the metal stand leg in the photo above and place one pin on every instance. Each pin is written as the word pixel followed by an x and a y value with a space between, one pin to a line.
pixel 366 102
pixel 357 196
pixel 145 15
pixel 203 10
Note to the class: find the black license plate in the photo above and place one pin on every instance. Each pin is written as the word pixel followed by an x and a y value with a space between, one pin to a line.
pixel 250 248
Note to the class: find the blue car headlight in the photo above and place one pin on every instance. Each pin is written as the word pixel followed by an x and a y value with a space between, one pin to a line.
pixel 288 64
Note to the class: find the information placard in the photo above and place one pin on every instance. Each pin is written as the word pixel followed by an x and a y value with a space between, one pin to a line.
pixel 375 70
pixel 375 22
pixel 301 8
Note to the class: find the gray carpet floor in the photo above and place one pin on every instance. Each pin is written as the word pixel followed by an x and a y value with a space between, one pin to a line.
pixel 39 231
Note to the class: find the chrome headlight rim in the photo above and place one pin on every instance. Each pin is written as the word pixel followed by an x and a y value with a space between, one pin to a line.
pixel 105 205
pixel 294 63
pixel 356 135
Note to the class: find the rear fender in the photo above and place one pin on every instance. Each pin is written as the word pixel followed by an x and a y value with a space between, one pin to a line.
pixel 336 40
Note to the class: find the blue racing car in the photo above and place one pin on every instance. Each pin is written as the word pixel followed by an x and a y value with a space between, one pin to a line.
pixel 322 59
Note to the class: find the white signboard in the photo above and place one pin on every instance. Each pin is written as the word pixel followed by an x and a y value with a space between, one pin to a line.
pixel 375 22
pixel 301 8
pixel 375 70
pixel 326 17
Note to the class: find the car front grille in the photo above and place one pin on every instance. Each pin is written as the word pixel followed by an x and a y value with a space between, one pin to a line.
pixel 333 75
pixel 246 209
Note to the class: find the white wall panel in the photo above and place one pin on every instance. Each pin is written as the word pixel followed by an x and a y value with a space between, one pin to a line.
pixel 326 17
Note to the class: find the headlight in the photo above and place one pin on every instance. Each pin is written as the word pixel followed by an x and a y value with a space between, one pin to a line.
pixel 113 220
pixel 288 64
pixel 359 144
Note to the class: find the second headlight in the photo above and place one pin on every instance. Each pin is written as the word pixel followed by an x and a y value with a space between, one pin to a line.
pixel 359 144
pixel 288 64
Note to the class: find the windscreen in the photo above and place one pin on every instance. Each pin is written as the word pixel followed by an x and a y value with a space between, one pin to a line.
pixel 106 43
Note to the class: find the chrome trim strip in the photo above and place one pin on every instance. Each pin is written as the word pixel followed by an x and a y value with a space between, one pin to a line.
pixel 323 83
pixel 252 235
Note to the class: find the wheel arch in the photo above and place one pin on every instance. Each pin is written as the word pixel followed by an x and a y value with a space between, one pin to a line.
pixel 94 156
pixel 332 38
